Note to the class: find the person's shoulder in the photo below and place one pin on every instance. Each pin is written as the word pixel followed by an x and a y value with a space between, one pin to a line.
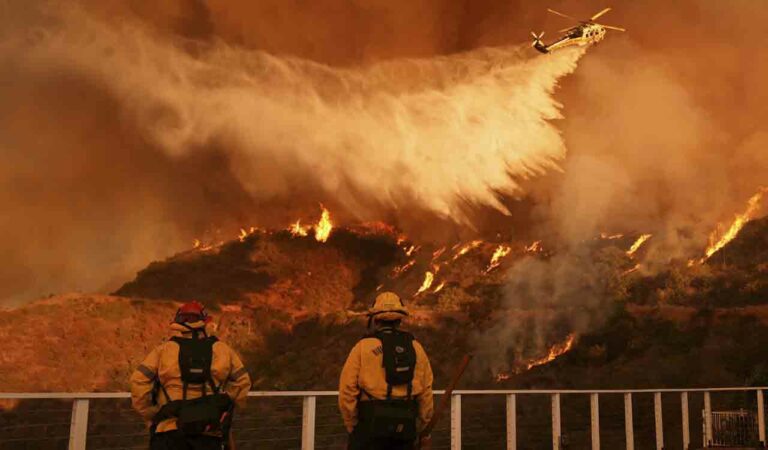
pixel 220 345
pixel 417 345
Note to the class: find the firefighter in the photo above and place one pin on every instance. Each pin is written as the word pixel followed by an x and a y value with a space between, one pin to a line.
pixel 385 388
pixel 187 387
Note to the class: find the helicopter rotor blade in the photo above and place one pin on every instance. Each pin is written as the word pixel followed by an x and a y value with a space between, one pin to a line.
pixel 599 14
pixel 562 15
pixel 611 27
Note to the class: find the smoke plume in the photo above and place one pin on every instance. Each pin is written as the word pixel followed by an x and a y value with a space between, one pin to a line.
pixel 121 99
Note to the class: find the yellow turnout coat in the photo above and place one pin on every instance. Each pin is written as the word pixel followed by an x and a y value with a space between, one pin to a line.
pixel 364 370
pixel 162 363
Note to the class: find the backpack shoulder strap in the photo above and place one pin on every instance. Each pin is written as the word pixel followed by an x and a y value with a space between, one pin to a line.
pixel 216 389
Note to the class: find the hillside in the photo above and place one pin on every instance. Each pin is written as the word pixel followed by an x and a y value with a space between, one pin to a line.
pixel 291 305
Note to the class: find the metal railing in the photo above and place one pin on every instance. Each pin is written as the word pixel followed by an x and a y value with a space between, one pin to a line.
pixel 78 430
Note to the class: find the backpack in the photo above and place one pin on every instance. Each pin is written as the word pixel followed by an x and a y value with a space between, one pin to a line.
pixel 209 413
pixel 393 418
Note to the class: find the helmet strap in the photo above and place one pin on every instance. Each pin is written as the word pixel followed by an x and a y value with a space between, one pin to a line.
pixel 195 331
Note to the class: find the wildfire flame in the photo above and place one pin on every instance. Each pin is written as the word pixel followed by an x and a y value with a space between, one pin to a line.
pixel 500 252
pixel 324 226
pixel 299 230
pixel 399 270
pixel 716 243
pixel 635 268
pixel 554 352
pixel 638 243
pixel 437 253
pixel 429 277
pixel 503 376
pixel 196 244
pixel 535 247
pixel 466 248
pixel 610 237
pixel 439 287
pixel 245 233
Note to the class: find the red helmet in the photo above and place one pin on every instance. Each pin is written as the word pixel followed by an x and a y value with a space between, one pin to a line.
pixel 191 312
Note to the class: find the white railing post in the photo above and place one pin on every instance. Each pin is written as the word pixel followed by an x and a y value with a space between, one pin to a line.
pixel 594 410
pixel 455 422
pixel 686 421
pixel 659 421
pixel 761 417
pixel 511 422
pixel 556 429
pixel 629 429
pixel 309 408
pixel 78 428
pixel 707 419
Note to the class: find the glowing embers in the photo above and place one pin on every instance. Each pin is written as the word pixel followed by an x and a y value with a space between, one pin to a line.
pixel 719 238
pixel 637 244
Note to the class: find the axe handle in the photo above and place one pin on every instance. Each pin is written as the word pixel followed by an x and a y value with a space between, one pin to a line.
pixel 446 398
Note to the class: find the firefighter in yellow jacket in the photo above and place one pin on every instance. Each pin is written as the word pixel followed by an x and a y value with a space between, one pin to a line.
pixel 187 388
pixel 385 389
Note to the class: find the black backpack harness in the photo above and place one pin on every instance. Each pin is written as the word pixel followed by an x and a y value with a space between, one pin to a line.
pixel 208 413
pixel 392 418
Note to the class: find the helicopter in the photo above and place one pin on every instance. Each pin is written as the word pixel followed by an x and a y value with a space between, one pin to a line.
pixel 587 32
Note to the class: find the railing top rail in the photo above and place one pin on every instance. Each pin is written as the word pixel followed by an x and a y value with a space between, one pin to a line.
pixel 115 395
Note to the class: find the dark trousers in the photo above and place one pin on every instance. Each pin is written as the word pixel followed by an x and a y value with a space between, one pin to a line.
pixel 176 440
pixel 359 441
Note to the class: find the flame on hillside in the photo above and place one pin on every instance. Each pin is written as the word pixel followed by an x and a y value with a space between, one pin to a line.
pixel 719 239
pixel 464 249
pixel 535 247
pixel 324 226
pixel 299 230
pixel 429 278
pixel 500 252
pixel 638 243
pixel 399 270
pixel 554 352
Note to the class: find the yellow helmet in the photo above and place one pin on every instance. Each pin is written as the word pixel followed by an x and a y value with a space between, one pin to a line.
pixel 388 306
